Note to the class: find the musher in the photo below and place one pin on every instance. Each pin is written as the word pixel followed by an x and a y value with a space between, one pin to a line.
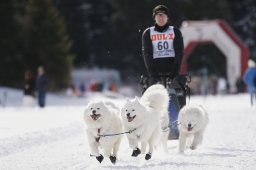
pixel 162 51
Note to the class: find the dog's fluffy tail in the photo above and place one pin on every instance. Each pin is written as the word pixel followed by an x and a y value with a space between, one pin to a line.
pixel 156 97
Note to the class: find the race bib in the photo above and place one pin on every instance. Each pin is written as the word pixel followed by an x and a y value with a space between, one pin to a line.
pixel 162 43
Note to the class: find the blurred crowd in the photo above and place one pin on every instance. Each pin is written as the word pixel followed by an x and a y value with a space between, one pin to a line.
pixel 80 90
pixel 204 84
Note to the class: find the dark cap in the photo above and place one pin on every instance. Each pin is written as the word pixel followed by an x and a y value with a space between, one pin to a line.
pixel 160 9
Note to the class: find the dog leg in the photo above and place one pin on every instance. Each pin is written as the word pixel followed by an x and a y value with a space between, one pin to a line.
pixel 151 148
pixel 115 150
pixel 93 145
pixel 94 149
pixel 100 158
pixel 164 139
pixel 116 147
pixel 198 137
pixel 148 156
pixel 136 152
pixel 112 159
pixel 143 147
pixel 182 142
pixel 134 145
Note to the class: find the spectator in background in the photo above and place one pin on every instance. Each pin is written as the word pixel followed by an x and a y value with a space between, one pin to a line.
pixel 41 86
pixel 72 90
pixel 250 79
pixel 82 89
pixel 29 89
pixel 113 87
pixel 240 86
pixel 222 85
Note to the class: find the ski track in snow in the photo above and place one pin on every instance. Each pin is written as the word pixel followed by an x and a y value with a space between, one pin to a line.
pixel 19 143
pixel 54 139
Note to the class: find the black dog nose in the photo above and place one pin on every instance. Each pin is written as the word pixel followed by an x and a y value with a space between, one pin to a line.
pixel 94 111
pixel 189 125
pixel 128 114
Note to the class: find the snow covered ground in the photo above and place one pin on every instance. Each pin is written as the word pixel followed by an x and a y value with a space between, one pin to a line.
pixel 53 138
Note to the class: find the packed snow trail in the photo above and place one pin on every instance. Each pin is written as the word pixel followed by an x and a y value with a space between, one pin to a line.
pixel 53 138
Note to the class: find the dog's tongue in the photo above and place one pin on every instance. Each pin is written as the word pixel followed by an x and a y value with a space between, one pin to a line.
pixel 95 116
pixel 190 128
pixel 130 118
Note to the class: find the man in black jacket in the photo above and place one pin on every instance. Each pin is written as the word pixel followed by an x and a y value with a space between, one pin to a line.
pixel 41 86
pixel 162 46
pixel 162 51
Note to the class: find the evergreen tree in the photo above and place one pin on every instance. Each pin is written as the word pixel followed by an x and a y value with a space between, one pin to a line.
pixel 76 14
pixel 87 21
pixel 244 16
pixel 33 33
pixel 49 43
pixel 11 58
pixel 97 27
pixel 205 10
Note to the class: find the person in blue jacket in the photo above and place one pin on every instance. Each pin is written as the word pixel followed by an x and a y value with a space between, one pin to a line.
pixel 41 86
pixel 250 79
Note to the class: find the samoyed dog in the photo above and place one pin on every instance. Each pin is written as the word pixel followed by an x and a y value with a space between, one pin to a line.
pixel 142 117
pixel 192 123
pixel 103 123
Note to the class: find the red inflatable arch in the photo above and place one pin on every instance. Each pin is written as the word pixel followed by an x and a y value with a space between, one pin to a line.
pixel 218 32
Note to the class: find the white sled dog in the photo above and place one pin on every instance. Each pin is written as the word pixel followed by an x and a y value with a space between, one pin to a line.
pixel 142 117
pixel 103 119
pixel 192 123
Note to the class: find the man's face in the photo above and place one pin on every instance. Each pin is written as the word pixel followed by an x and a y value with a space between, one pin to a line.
pixel 161 19
pixel 40 71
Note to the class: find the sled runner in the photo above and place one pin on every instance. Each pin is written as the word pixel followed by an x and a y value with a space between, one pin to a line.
pixel 178 90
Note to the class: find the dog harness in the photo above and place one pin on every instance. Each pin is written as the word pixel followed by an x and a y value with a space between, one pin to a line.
pixel 113 134
pixel 98 138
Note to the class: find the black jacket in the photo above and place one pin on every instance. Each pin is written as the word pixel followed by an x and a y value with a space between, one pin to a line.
pixel 29 87
pixel 41 83
pixel 169 65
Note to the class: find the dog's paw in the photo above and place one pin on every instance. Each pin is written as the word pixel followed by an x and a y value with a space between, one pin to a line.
pixel 100 158
pixel 112 159
pixel 136 152
pixel 148 156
